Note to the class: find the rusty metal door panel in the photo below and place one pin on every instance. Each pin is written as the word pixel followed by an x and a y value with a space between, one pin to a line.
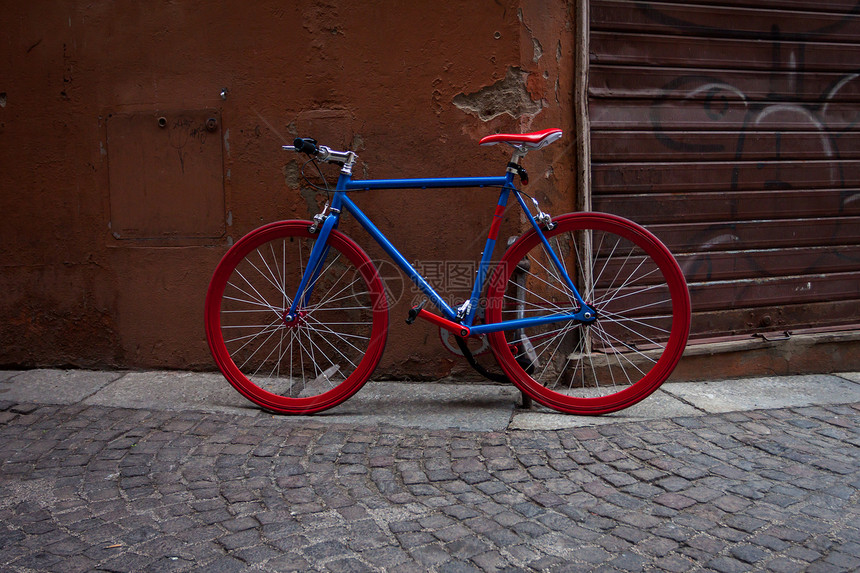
pixel 708 266
pixel 725 111
pixel 708 52
pixel 723 266
pixel 166 176
pixel 720 176
pixel 733 132
pixel 833 6
pixel 708 20
pixel 685 238
pixel 751 145
pixel 651 82
pixel 789 317
pixel 768 291
pixel 654 208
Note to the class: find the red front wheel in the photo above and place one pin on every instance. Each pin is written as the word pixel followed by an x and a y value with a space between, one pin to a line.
pixel 316 358
pixel 643 314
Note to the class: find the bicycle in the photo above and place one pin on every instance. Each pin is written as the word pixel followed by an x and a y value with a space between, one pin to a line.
pixel 586 313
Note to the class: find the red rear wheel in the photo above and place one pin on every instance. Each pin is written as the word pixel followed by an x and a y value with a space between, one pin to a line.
pixel 643 314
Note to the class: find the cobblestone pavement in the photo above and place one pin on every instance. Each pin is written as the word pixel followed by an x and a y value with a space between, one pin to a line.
pixel 96 488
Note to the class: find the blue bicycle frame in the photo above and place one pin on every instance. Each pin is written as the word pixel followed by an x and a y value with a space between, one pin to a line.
pixel 341 201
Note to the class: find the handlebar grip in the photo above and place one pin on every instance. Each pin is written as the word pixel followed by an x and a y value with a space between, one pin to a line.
pixel 306 145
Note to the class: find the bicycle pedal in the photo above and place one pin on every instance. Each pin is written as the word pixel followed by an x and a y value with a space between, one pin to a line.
pixel 413 312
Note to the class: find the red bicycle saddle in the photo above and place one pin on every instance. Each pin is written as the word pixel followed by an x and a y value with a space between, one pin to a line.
pixel 534 140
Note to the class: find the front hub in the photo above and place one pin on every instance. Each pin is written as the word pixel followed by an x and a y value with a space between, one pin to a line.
pixel 294 320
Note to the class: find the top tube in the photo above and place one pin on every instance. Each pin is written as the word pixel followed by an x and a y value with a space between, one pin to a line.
pixel 348 184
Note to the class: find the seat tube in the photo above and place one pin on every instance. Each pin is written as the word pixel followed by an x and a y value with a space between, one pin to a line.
pixel 489 247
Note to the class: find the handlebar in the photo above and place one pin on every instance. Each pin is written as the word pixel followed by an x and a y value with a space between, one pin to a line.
pixel 309 146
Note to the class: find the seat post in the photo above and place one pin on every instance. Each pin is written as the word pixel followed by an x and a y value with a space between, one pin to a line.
pixel 519 153
pixel 514 166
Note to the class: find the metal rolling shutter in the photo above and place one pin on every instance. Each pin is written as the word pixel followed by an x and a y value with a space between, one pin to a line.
pixel 732 131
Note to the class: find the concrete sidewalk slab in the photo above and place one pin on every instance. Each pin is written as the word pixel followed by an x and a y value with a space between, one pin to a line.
pixel 766 393
pixel 656 406
pixel 853 376
pixel 6 374
pixel 54 386
pixel 173 390
pixel 679 399
pixel 431 406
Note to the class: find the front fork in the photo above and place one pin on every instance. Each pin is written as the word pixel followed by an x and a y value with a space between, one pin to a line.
pixel 322 226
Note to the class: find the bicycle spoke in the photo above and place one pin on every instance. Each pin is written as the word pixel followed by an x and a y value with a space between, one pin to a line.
pixel 312 284
pixel 271 327
pixel 268 357
pixel 639 335
pixel 271 277
pixel 343 336
pixel 271 333
pixel 563 289
pixel 336 349
pixel 256 299
pixel 626 355
pixel 637 293
pixel 622 321
pixel 559 338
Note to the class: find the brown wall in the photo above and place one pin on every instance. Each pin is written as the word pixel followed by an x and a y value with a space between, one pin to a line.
pixel 112 225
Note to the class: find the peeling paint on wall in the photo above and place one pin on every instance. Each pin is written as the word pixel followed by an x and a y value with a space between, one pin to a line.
pixel 508 96
pixel 538 50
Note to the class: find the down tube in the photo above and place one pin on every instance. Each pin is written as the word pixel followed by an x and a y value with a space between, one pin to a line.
pixel 397 257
